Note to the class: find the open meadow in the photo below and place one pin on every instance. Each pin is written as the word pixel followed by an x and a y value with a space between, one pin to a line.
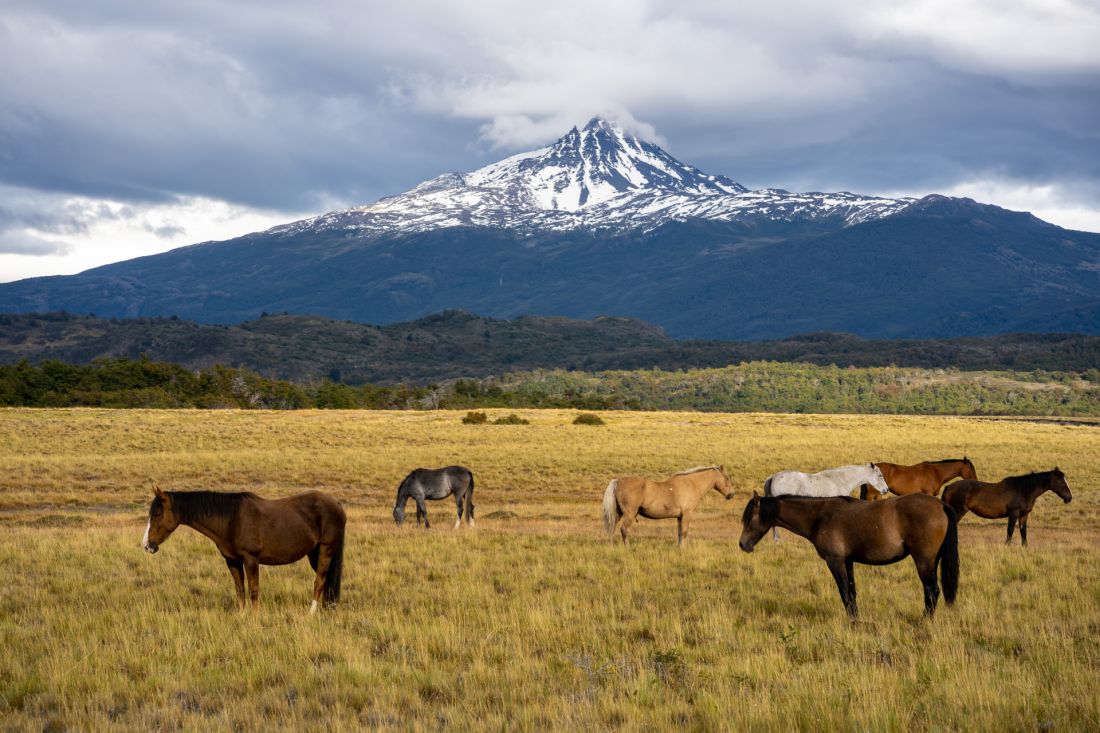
pixel 532 620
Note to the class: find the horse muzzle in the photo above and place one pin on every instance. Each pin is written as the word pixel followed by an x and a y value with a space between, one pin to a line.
pixel 1068 499
pixel 746 546
pixel 151 547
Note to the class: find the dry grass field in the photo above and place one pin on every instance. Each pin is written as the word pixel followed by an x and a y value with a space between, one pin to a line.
pixel 531 621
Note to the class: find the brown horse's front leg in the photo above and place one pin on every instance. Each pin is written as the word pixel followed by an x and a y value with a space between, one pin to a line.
pixel 1023 528
pixel 839 568
pixel 236 569
pixel 1011 526
pixel 252 573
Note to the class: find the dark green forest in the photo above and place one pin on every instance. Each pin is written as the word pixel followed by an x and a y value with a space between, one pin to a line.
pixel 752 386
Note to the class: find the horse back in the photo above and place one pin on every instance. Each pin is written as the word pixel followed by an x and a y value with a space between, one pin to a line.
pixel 883 532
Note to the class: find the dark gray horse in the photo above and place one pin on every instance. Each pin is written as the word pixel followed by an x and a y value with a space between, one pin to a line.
pixel 436 483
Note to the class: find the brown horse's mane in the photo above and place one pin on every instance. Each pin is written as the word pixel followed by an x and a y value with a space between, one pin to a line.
pixel 191 505
pixel 697 469
pixel 769 505
pixel 1028 480
pixel 951 460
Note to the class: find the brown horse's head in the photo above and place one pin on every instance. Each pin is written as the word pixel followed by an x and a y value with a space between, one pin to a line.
pixel 163 520
pixel 1059 485
pixel 968 471
pixel 758 518
pixel 722 484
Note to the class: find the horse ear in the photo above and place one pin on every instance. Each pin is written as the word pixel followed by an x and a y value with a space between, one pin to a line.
pixel 755 496
pixel 161 495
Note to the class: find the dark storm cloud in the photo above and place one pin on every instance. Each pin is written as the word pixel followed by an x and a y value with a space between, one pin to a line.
pixel 295 106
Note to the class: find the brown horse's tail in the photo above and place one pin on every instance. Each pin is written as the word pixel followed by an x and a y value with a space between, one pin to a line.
pixel 949 556
pixel 335 572
pixel 611 510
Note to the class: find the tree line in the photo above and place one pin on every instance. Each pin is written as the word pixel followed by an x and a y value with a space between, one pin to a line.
pixel 753 386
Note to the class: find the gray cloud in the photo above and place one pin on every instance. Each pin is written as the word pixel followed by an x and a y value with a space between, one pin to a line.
pixel 289 106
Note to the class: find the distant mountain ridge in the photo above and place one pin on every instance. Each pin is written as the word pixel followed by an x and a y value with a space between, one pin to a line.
pixel 457 344
pixel 602 222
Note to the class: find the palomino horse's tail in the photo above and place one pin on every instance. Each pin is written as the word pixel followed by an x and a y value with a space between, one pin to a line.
pixel 611 511
pixel 470 501
pixel 949 556
pixel 335 572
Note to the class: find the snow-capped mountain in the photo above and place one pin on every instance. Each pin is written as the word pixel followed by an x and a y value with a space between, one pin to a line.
pixel 601 178
pixel 603 223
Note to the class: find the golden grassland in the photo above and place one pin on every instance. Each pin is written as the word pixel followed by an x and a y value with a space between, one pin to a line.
pixel 532 620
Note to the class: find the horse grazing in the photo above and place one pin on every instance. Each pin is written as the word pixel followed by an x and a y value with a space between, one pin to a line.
pixel 927 477
pixel 844 531
pixel 628 497
pixel 830 482
pixel 1011 497
pixel 436 483
pixel 250 531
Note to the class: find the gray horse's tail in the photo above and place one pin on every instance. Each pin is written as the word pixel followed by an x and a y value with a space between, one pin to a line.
pixel 470 501
pixel 611 511
pixel 949 557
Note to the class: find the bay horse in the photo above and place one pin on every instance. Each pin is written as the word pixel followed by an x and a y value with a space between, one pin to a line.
pixel 628 497
pixel 839 481
pixel 250 531
pixel 436 483
pixel 844 531
pixel 1011 497
pixel 927 477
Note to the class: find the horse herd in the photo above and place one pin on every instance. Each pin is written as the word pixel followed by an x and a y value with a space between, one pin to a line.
pixel 250 531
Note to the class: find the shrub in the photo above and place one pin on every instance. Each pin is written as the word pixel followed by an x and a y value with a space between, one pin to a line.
pixel 512 419
pixel 587 418
pixel 475 418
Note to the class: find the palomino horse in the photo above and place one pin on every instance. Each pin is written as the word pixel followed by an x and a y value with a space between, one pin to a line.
pixel 436 483
pixel 250 531
pixel 1011 497
pixel 628 497
pixel 928 477
pixel 844 531
pixel 830 482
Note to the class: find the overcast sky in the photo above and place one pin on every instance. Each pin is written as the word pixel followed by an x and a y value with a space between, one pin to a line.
pixel 129 127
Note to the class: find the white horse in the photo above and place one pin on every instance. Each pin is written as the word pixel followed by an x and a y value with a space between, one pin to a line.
pixel 830 482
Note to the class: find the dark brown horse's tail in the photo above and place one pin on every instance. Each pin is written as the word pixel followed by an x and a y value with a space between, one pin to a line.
pixel 949 556
pixel 335 572
pixel 470 500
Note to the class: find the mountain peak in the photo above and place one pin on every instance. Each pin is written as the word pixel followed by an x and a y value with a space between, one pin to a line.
pixel 600 176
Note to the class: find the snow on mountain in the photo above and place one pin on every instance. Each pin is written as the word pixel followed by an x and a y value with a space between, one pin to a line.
pixel 599 177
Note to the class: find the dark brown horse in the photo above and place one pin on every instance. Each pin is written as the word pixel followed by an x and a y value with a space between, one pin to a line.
pixel 1011 497
pixel 927 477
pixel 250 531
pixel 844 531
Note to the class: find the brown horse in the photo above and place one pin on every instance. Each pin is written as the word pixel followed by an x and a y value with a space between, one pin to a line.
pixel 844 531
pixel 677 496
pixel 250 531
pixel 1011 497
pixel 927 477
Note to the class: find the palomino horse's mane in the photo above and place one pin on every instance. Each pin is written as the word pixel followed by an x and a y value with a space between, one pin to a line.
pixel 189 505
pixel 697 469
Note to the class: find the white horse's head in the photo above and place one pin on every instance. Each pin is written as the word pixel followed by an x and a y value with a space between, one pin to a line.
pixel 878 480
